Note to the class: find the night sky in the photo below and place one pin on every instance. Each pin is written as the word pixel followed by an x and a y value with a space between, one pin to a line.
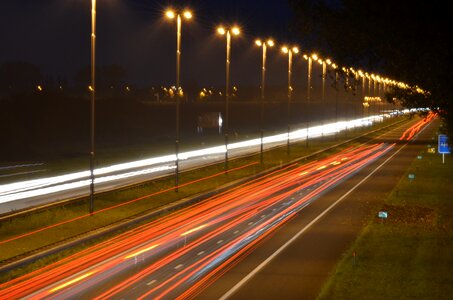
pixel 55 35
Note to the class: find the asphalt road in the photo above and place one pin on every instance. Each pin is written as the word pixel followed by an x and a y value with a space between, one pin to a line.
pixel 178 255
pixel 321 232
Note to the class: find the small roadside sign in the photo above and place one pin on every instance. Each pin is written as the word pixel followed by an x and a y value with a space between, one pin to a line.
pixel 383 215
pixel 443 147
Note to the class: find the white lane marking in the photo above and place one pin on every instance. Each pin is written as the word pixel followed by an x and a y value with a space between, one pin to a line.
pixel 219 242
pixel 178 266
pixel 200 253
pixel 236 232
pixel 244 280
pixel 151 282
pixel 263 216
pixel 251 223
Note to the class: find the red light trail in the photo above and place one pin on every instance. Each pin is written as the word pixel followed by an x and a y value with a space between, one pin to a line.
pixel 186 249
pixel 179 254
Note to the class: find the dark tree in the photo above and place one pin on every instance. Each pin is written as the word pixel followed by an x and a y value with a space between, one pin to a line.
pixel 404 40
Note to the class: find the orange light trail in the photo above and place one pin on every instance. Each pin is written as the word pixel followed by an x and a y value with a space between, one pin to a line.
pixel 123 204
pixel 200 224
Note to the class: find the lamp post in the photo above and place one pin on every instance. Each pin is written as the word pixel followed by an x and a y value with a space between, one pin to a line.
pixel 93 97
pixel 369 108
pixel 170 14
pixel 362 92
pixel 227 32
pixel 323 64
pixel 324 70
pixel 374 110
pixel 290 52
pixel 310 60
pixel 309 73
pixel 263 45
pixel 335 67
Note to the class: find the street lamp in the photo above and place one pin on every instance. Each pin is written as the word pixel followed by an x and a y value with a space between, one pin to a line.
pixel 309 73
pixel 227 32
pixel 321 62
pixel 290 52
pixel 309 59
pixel 93 95
pixel 263 45
pixel 171 14
pixel 363 92
pixel 369 108
pixel 372 77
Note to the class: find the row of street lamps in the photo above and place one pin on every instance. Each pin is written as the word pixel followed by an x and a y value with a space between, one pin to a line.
pixel 228 32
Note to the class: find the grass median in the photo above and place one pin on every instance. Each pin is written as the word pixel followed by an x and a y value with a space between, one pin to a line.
pixel 116 206
pixel 408 255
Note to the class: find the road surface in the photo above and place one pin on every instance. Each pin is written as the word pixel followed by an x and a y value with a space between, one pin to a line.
pixel 179 255
pixel 321 233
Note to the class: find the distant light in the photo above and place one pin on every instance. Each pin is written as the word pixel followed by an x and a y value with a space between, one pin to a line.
pixel 236 30
pixel 314 56
pixel 295 50
pixel 39 88
pixel 170 14
pixel 258 43
pixel 221 30
pixel 328 61
pixel 305 57
pixel 187 14
pixel 285 49
pixel 90 88
pixel 270 43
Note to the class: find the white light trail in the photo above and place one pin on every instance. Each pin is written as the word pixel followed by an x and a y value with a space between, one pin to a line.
pixel 38 187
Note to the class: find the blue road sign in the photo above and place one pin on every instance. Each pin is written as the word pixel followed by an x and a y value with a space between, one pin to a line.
pixel 443 144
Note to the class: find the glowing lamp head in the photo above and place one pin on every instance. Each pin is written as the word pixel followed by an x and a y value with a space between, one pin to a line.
pixel 328 61
pixel 285 49
pixel 170 14
pixel 320 61
pixel 314 56
pixel 235 30
pixel 221 31
pixel 305 56
pixel 270 43
pixel 258 43
pixel 295 50
pixel 187 14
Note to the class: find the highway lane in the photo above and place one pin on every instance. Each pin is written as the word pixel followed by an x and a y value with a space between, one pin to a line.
pixel 295 262
pixel 177 255
pixel 21 195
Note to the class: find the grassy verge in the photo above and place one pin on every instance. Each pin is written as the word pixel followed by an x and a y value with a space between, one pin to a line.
pixel 14 227
pixel 409 255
